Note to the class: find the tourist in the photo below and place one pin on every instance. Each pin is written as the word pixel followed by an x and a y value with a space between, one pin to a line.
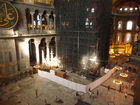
pixel 46 103
pixel 58 100
pixel 78 96
pixel 125 95
pixel 97 92
pixel 90 92
pixel 108 88
pixel 36 92
pixel 120 89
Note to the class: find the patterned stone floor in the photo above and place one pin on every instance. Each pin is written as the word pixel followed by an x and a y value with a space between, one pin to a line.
pixel 23 93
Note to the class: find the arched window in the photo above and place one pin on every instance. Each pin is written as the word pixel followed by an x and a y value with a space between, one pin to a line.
pixel 119 25
pixel 37 20
pixel 51 20
pixel 32 52
pixel 52 48
pixel 28 18
pixel 121 9
pixel 136 8
pixel 137 27
pixel 131 9
pixel 125 9
pixel 42 51
pixel 87 23
pixel 44 20
pixel 92 10
pixel 129 25
pixel 128 37
pixel 119 37
pixel 135 37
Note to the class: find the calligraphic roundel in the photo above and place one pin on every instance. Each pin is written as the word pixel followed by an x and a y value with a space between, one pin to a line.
pixel 8 15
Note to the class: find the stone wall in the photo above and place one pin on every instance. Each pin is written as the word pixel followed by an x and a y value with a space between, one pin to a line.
pixel 8 61
pixel 14 46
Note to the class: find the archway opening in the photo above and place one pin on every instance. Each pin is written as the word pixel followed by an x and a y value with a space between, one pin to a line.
pixel 52 48
pixel 42 51
pixel 32 52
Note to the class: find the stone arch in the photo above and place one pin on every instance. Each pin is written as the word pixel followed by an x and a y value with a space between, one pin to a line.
pixel 42 50
pixel 28 18
pixel 32 52
pixel 44 20
pixel 51 20
pixel 52 48
pixel 36 18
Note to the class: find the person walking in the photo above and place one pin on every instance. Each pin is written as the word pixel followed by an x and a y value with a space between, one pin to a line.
pixel 108 87
pixel 36 93
pixel 90 93
pixel 120 89
pixel 97 92
pixel 46 103
pixel 28 104
pixel 125 95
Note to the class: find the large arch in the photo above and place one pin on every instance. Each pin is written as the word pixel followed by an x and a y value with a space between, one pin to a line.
pixel 32 52
pixel 52 48
pixel 42 51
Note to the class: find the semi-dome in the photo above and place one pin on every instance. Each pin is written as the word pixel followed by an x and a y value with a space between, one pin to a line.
pixel 127 7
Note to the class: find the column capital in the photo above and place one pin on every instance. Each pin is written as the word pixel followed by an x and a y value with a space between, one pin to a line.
pixel 41 14
pixel 48 14
pixel 37 42
pixel 48 42
pixel 32 13
pixel 54 15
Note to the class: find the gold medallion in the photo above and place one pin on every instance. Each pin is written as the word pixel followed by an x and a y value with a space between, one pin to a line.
pixel 8 15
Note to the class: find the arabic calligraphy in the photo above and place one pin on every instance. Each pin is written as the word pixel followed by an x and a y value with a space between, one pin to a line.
pixel 8 15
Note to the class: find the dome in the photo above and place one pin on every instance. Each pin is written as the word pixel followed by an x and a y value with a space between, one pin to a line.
pixel 127 7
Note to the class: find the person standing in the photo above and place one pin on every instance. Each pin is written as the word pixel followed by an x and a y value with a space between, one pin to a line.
pixel 125 95
pixel 46 103
pixel 120 89
pixel 28 104
pixel 97 92
pixel 90 93
pixel 108 87
pixel 36 93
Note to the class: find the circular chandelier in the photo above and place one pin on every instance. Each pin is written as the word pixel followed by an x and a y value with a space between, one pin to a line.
pixel 118 82
pixel 123 75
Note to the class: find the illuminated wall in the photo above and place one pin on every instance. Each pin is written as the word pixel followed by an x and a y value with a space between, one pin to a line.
pixel 14 52
pixel 125 29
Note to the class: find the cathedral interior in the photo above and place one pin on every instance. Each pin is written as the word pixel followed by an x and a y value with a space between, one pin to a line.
pixel 85 37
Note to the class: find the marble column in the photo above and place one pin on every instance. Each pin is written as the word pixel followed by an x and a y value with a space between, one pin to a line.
pixel 48 21
pixel 40 14
pixel 54 22
pixel 51 51
pixel 27 54
pixel 43 58
pixel 37 51
pixel 56 46
pixel 48 52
